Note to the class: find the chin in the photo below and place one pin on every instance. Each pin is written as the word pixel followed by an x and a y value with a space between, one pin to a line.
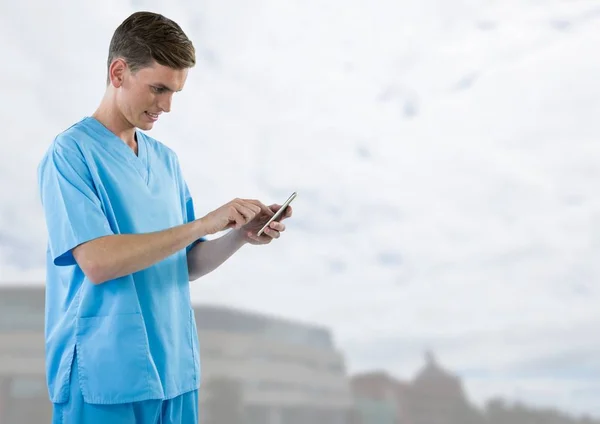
pixel 146 126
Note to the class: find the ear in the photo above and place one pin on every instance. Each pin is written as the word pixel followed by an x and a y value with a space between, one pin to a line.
pixel 116 72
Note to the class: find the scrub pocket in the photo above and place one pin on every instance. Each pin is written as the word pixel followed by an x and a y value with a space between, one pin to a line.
pixel 114 360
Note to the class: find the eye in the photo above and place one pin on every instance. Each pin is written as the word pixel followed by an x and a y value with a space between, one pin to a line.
pixel 157 90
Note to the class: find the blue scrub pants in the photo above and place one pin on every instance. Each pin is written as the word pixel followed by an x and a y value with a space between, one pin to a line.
pixel 182 409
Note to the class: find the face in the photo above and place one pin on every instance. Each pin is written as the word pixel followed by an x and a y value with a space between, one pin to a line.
pixel 142 96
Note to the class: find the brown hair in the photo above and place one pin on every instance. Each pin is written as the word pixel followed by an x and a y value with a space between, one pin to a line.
pixel 145 37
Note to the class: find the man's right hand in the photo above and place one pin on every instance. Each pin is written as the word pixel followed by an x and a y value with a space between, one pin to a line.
pixel 234 214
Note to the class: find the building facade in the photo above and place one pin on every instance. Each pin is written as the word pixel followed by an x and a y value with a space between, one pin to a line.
pixel 255 368
pixel 280 372
pixel 380 398
pixel 433 396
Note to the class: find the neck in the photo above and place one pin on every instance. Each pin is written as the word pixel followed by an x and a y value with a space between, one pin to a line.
pixel 108 115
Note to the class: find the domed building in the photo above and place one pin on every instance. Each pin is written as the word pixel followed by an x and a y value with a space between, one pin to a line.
pixel 434 396
pixel 379 398
pixel 437 397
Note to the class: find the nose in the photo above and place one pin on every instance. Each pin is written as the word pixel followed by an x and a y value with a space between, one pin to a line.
pixel 165 102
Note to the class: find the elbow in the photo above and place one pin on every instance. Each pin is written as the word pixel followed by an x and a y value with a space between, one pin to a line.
pixel 95 276
pixel 95 273
pixel 192 273
pixel 93 269
pixel 191 268
pixel 196 274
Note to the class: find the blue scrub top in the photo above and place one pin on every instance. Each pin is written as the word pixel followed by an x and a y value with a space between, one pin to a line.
pixel 135 336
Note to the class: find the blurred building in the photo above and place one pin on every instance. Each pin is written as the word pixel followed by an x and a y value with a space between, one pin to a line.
pixel 255 368
pixel 437 397
pixel 380 399
pixel 434 396
pixel 23 393
pixel 282 372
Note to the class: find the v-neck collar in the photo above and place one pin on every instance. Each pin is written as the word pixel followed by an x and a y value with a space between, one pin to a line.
pixel 114 143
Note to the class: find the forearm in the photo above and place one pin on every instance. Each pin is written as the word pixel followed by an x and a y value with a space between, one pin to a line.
pixel 207 256
pixel 111 257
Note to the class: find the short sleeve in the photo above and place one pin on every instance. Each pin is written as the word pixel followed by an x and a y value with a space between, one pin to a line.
pixel 189 213
pixel 72 208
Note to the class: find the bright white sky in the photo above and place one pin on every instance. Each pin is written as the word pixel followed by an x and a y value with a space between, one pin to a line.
pixel 445 155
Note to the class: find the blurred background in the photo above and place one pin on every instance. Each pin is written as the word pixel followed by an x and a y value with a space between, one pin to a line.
pixel 441 265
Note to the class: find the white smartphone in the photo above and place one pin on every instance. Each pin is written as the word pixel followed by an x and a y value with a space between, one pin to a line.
pixel 278 213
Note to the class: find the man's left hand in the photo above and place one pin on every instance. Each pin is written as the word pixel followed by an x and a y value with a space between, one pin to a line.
pixel 273 231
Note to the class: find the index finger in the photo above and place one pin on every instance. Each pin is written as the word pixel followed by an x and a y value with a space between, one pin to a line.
pixel 262 206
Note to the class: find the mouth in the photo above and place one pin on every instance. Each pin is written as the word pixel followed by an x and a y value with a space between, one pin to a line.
pixel 152 116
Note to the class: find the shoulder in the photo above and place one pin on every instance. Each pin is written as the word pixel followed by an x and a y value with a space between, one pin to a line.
pixel 71 140
pixel 66 149
pixel 63 142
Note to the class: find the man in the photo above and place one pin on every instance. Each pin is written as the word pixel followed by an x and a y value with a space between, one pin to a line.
pixel 123 244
